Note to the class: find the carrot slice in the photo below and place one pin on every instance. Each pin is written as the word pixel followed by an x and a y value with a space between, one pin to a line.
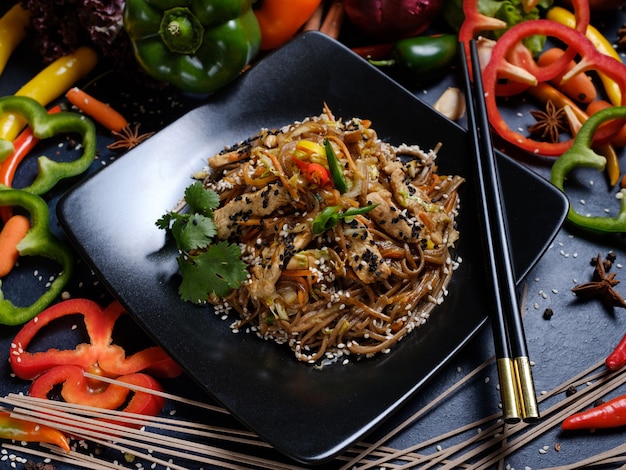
pixel 11 235
pixel 97 110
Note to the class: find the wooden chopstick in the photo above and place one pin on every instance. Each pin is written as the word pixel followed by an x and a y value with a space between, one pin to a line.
pixel 517 389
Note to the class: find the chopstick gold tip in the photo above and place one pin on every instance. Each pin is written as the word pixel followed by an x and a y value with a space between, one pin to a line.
pixel 530 410
pixel 511 409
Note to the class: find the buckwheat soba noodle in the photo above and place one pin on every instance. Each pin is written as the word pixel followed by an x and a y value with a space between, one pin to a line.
pixel 345 261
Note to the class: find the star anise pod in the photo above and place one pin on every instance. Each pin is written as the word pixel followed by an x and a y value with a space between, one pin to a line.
pixel 128 138
pixel 550 123
pixel 601 286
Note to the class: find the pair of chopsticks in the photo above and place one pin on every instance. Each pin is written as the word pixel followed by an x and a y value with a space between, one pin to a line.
pixel 519 401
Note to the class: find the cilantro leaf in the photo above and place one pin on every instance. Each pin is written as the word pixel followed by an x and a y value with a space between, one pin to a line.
pixel 206 268
pixel 217 271
pixel 201 200
pixel 194 232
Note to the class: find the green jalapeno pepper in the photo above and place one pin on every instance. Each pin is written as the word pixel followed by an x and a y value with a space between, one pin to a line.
pixel 39 241
pixel 44 126
pixel 198 47
pixel 580 154
pixel 422 57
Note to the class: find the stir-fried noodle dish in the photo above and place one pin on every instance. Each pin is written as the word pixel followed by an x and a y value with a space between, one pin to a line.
pixel 347 238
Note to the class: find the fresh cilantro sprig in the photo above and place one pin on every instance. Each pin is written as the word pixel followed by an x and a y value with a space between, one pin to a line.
pixel 207 267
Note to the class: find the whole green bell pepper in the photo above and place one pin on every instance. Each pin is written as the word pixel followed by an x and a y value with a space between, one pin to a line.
pixel 198 46
pixel 39 241
pixel 45 126
pixel 580 154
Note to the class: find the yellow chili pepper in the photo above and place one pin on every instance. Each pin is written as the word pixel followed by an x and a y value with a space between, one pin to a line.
pixel 12 31
pixel 49 84
pixel 602 44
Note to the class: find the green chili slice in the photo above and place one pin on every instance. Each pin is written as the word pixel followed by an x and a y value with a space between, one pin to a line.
pixel 331 216
pixel 335 168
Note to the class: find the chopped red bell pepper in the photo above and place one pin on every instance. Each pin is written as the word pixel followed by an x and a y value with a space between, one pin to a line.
pixel 100 356
pixel 313 172
pixel 591 59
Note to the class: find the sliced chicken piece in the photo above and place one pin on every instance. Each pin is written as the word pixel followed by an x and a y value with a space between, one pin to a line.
pixel 260 203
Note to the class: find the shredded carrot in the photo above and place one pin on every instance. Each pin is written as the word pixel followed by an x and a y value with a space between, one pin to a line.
pixel 255 179
pixel 450 204
pixel 281 174
pixel 250 222
pixel 96 109
pixel 13 232
pixel 328 112
pixel 427 221
pixel 392 252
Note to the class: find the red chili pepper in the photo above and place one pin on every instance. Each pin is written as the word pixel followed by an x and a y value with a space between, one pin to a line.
pixel 22 430
pixel 313 172
pixel 100 356
pixel 475 22
pixel 22 146
pixel 617 358
pixel 611 414
pixel 591 59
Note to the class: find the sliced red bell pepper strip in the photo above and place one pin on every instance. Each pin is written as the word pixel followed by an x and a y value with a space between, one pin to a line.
pixel 591 59
pixel 100 357
pixel 100 353
pixel 78 389
pixel 22 430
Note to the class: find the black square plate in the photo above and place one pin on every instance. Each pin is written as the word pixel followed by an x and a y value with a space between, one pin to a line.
pixel 310 415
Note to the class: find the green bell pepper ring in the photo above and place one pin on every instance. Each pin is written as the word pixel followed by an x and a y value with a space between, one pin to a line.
pixel 44 126
pixel 580 154
pixel 197 46
pixel 39 241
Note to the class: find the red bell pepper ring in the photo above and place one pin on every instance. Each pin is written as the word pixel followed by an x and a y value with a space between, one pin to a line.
pixel 78 389
pixel 100 356
pixel 591 59
pixel 475 23
pixel 617 359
